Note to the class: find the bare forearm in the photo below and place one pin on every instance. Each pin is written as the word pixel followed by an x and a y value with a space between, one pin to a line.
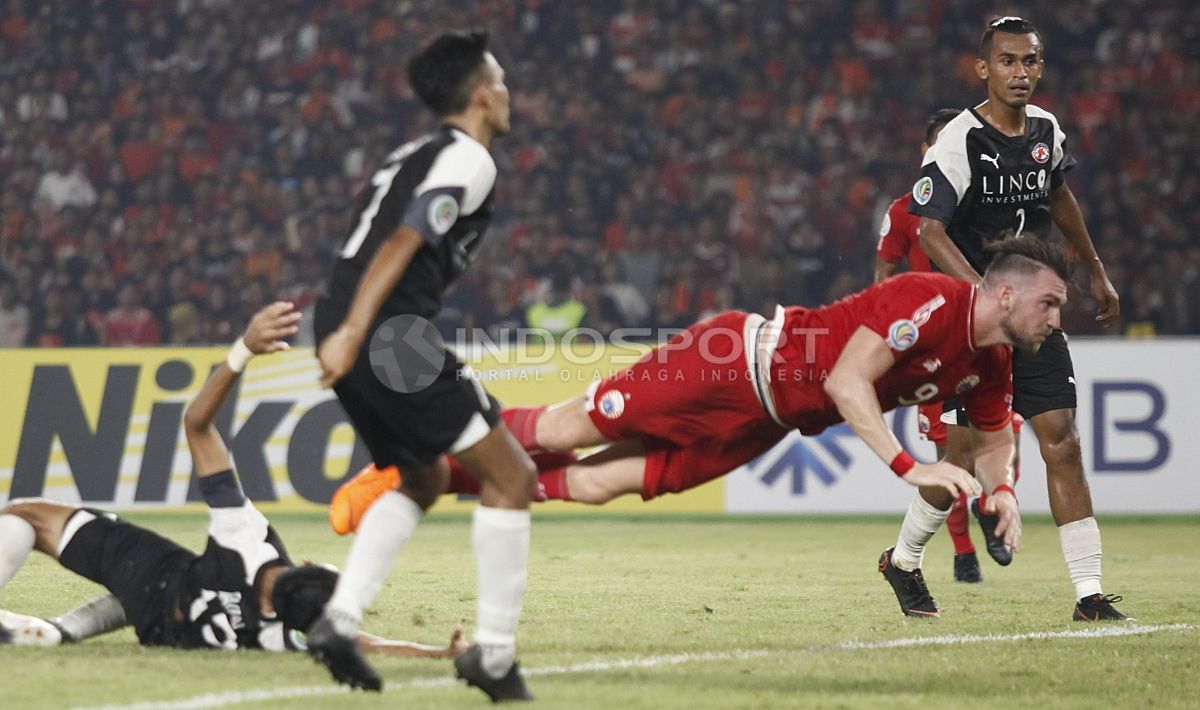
pixel 859 406
pixel 371 644
pixel 209 454
pixel 1064 210
pixel 203 409
pixel 382 275
pixel 941 250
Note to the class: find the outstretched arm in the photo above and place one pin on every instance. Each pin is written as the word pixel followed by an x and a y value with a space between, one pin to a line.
pixel 265 334
pixel 386 647
pixel 850 385
pixel 1065 212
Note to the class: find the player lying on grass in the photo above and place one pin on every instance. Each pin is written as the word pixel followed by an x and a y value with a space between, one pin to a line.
pixel 243 592
pixel 729 388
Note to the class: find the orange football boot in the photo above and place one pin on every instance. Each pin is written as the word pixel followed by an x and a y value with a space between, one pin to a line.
pixel 352 498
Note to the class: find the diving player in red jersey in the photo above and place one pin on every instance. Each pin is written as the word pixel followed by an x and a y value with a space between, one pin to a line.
pixel 900 239
pixel 729 388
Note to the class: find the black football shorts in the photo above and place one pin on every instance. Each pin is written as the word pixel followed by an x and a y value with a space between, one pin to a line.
pixel 447 415
pixel 1042 382
pixel 137 566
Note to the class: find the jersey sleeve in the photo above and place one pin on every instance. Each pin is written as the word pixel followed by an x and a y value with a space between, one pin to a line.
pixel 910 314
pixel 893 241
pixel 989 405
pixel 1061 161
pixel 244 532
pixel 460 179
pixel 945 178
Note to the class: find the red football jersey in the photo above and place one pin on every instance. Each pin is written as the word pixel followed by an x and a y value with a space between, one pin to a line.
pixel 926 321
pixel 899 237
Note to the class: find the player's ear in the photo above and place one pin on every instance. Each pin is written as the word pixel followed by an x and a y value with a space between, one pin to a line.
pixel 1008 295
pixel 981 69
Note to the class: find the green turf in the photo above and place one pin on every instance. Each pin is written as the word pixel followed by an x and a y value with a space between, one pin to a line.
pixel 603 589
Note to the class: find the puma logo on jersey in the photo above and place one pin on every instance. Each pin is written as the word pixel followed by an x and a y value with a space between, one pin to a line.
pixel 994 161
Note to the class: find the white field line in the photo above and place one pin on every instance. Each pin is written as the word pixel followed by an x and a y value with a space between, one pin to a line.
pixel 239 697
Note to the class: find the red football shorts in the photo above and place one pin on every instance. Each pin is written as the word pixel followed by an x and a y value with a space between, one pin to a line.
pixel 930 424
pixel 693 405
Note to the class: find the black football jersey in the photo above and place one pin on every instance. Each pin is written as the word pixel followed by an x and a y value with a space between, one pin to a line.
pixel 981 183
pixel 441 185
pixel 217 596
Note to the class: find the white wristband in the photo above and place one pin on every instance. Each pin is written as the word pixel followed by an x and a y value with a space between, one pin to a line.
pixel 238 356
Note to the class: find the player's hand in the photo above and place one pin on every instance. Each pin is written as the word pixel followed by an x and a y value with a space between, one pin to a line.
pixel 458 645
pixel 947 476
pixel 337 353
pixel 270 326
pixel 1004 504
pixel 1106 296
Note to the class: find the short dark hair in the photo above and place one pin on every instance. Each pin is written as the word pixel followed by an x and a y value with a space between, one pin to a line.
pixel 444 73
pixel 301 593
pixel 1027 255
pixel 937 120
pixel 1007 25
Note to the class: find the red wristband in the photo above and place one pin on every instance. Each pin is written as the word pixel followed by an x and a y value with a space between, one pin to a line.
pixel 1005 487
pixel 903 463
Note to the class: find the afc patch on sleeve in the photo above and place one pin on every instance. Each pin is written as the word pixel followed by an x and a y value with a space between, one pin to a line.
pixel 902 335
pixel 886 225
pixel 923 190
pixel 443 212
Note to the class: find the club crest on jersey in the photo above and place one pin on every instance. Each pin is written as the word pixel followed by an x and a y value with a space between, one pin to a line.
pixel 902 335
pixel 923 190
pixel 443 210
pixel 967 384
pixel 1041 152
pixel 612 404
pixel 932 365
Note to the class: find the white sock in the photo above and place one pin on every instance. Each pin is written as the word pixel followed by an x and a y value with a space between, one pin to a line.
pixel 1081 548
pixel 384 529
pixel 16 542
pixel 920 523
pixel 501 541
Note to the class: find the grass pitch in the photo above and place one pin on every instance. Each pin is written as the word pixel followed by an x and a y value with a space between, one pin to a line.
pixel 688 611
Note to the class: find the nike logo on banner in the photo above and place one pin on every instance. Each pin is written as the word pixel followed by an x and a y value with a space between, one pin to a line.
pixel 994 161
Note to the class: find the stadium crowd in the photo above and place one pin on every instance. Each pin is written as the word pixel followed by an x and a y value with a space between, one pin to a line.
pixel 168 167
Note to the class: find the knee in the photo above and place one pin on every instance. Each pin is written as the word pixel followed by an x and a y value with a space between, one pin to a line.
pixel 1061 447
pixel 423 484
pixel 587 488
pixel 27 509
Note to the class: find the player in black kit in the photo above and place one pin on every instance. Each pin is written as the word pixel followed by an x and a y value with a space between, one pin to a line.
pixel 243 592
pixel 420 222
pixel 1000 167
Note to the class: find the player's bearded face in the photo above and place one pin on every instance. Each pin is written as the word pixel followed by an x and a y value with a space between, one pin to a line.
pixel 1035 311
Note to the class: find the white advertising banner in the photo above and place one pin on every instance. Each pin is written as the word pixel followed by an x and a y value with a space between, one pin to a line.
pixel 1138 423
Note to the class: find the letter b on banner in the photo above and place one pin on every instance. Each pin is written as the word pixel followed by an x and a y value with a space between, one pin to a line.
pixel 1131 396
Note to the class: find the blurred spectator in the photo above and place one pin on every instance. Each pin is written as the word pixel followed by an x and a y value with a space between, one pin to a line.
pixel 130 323
pixel 559 312
pixel 671 157
pixel 14 315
